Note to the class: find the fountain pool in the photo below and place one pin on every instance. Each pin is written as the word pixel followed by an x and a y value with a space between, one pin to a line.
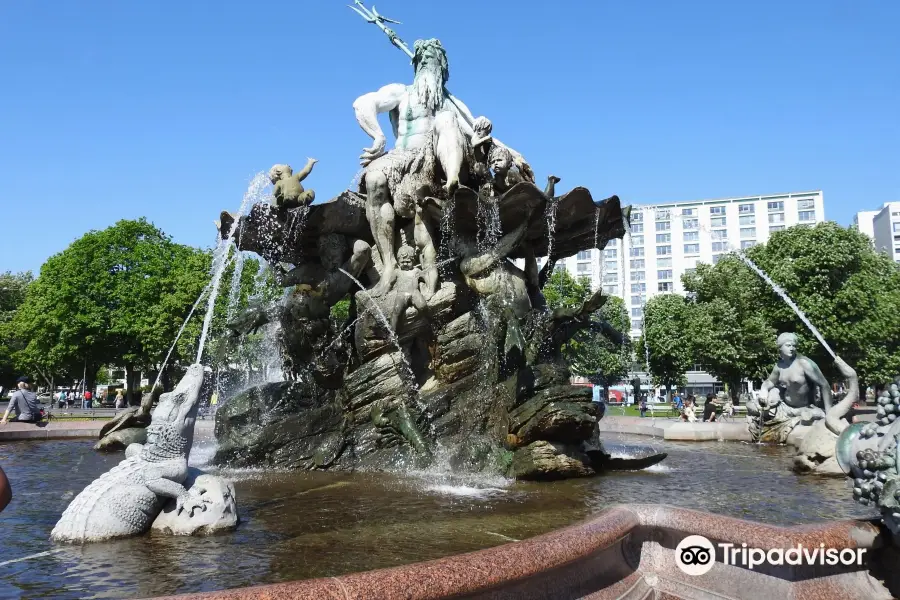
pixel 299 525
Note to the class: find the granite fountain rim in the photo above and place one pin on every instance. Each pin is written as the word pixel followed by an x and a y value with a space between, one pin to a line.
pixel 496 572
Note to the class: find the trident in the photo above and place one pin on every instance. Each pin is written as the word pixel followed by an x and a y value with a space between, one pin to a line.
pixel 372 16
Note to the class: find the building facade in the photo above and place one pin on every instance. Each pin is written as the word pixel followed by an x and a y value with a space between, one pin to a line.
pixel 668 240
pixel 883 227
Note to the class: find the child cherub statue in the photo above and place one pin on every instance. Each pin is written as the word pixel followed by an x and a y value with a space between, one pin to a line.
pixel 289 192
pixel 405 291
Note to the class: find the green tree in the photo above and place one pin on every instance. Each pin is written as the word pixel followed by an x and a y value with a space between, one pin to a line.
pixel 591 354
pixel 668 327
pixel 13 288
pixel 848 291
pixel 116 296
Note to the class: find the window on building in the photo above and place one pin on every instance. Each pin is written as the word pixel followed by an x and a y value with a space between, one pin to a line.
pixel 692 236
pixel 637 263
pixel 665 286
pixel 610 253
pixel 584 255
pixel 637 276
pixel 746 209
pixel 611 265
pixel 637 324
pixel 637 312
pixel 663 238
pixel 663 262
pixel 638 288
pixel 610 277
pixel 688 212
pixel 720 246
pixel 717 222
pixel 664 274
pixel 806 215
pixel 896 226
pixel 637 228
pixel 637 300
pixel 612 244
pixel 747 220
pixel 663 225
pixel 637 252
pixel 637 217
pixel 775 228
pixel 717 258
pixel 775 206
pixel 776 218
pixel 663 250
pixel 747 244
pixel 611 290
pixel 692 248
pixel 584 267
pixel 719 234
pixel 806 203
pixel 691 224
pixel 748 232
pixel 717 210
pixel 637 240
pixel 663 214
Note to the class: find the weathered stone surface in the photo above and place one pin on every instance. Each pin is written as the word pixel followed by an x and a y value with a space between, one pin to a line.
pixel 217 510
pixel 560 413
pixel 288 425
pixel 377 379
pixel 125 500
pixel 816 452
pixel 120 439
pixel 546 461
pixel 459 345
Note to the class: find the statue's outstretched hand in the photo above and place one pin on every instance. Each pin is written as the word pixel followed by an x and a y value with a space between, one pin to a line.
pixel 376 150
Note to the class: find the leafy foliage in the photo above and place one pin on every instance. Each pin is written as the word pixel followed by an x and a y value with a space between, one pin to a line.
pixel 13 288
pixel 590 354
pixel 849 292
pixel 668 328
pixel 116 296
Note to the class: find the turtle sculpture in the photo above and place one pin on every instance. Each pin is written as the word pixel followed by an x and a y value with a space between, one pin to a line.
pixel 128 426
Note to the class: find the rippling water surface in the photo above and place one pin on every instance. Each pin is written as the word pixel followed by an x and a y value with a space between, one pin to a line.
pixel 299 525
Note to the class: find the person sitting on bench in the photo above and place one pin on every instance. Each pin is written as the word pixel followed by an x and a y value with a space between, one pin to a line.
pixel 24 402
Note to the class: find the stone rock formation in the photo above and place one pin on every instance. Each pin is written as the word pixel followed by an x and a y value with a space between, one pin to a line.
pixel 217 512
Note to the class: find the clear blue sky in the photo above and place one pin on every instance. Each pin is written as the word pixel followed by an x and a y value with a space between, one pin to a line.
pixel 164 109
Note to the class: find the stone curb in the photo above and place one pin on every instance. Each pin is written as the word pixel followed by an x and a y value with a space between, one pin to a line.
pixel 625 552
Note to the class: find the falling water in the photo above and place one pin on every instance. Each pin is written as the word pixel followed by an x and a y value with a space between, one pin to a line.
pixel 448 231
pixel 551 226
pixel 253 194
pixel 392 335
pixel 489 227
pixel 234 294
pixel 777 288
pixel 780 291
pixel 597 228
pixel 180 331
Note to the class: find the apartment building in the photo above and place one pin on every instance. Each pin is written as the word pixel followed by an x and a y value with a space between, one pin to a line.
pixel 667 240
pixel 883 227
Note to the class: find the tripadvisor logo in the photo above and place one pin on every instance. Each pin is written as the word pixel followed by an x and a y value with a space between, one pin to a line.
pixel 695 555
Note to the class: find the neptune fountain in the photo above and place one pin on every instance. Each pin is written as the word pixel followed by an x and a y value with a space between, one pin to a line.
pixel 449 344
pixel 449 354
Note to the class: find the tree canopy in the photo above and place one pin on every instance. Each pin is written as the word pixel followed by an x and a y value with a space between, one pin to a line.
pixel 668 330
pixel 116 296
pixel 590 354
pixel 849 292
pixel 13 288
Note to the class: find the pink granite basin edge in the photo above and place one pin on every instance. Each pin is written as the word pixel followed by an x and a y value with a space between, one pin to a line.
pixel 575 557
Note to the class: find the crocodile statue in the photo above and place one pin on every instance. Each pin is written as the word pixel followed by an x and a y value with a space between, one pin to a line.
pixel 125 500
